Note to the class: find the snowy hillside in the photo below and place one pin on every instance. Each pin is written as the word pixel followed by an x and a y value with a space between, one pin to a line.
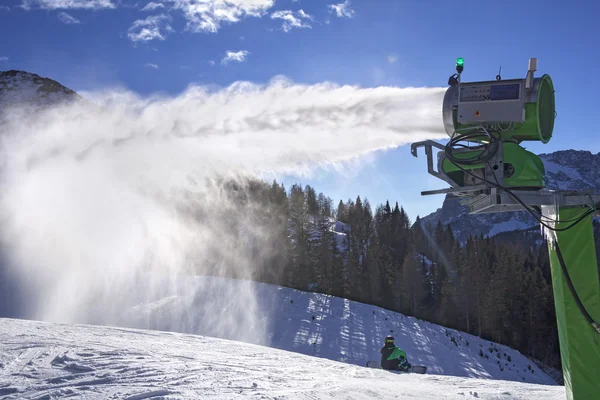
pixel 309 323
pixel 46 361
pixel 565 170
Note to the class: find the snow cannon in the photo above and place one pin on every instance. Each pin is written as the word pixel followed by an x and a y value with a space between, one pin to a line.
pixel 486 121
pixel 516 109
pixel 490 172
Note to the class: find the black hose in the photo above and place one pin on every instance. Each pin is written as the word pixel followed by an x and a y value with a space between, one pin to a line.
pixel 489 149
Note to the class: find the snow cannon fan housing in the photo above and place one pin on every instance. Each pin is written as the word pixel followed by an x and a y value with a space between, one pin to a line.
pixel 517 109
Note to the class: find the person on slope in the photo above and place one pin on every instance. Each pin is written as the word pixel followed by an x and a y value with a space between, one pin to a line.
pixel 392 357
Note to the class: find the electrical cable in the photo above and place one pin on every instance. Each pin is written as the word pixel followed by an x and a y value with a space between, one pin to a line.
pixel 489 149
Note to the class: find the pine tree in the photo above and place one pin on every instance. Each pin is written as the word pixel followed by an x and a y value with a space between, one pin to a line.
pixel 451 303
pixel 355 250
pixel 325 205
pixel 300 273
pixel 338 270
pixel 276 249
pixel 414 284
pixel 341 212
pixel 368 258
pixel 311 201
pixel 385 262
pixel 324 273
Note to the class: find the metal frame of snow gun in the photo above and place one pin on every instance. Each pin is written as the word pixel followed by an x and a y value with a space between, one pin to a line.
pixel 490 172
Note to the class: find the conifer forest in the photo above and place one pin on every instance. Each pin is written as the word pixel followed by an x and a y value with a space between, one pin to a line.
pixel 496 288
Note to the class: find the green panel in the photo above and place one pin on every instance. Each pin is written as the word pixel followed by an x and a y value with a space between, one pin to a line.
pixel 579 342
pixel 528 168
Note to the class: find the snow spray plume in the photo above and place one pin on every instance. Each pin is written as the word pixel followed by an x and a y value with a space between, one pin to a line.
pixel 105 203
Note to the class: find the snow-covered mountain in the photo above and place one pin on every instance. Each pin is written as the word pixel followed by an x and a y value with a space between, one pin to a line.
pixel 25 92
pixel 565 170
pixel 48 361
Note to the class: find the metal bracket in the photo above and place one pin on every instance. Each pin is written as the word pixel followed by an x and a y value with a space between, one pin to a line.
pixel 428 144
pixel 492 199
pixel 456 190
pixel 490 174
pixel 500 201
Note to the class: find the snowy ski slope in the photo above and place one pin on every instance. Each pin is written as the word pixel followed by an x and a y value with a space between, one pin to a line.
pixel 47 361
pixel 318 325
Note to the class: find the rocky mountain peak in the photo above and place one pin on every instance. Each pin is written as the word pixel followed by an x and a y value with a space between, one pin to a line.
pixel 21 88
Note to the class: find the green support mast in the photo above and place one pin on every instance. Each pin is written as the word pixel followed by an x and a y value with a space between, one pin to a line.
pixel 490 172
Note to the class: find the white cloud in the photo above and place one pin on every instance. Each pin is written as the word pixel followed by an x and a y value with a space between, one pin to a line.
pixel 392 58
pixel 67 18
pixel 68 4
pixel 3 58
pixel 150 65
pixel 290 21
pixel 305 15
pixel 208 15
pixel 4 8
pixel 153 6
pixel 238 56
pixel 342 9
pixel 211 62
pixel 150 28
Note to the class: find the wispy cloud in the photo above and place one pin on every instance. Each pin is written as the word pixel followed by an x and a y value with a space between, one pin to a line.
pixel 392 58
pixel 342 10
pixel 4 8
pixel 212 62
pixel 305 15
pixel 290 21
pixel 68 4
pixel 151 28
pixel 237 56
pixel 150 65
pixel 208 15
pixel 4 58
pixel 67 18
pixel 153 6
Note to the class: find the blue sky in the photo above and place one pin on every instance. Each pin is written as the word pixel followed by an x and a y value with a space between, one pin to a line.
pixel 163 47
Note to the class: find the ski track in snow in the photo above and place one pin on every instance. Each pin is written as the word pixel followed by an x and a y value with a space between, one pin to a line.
pixel 46 361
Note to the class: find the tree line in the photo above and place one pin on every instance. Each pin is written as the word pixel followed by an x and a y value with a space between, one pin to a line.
pixel 496 290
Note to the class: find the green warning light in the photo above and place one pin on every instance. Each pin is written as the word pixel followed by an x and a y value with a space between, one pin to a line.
pixel 460 62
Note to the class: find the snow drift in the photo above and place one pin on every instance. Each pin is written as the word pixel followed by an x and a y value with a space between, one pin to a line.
pixel 45 360
pixel 315 324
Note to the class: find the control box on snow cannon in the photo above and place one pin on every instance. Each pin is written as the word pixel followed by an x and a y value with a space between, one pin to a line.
pixel 517 109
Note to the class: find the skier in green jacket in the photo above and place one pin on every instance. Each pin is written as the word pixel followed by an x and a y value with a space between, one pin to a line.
pixel 392 357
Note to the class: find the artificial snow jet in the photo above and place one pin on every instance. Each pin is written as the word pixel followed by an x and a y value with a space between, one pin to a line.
pixel 490 172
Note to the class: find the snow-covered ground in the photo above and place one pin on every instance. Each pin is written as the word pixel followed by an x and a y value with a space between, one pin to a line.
pixel 324 326
pixel 308 323
pixel 47 360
